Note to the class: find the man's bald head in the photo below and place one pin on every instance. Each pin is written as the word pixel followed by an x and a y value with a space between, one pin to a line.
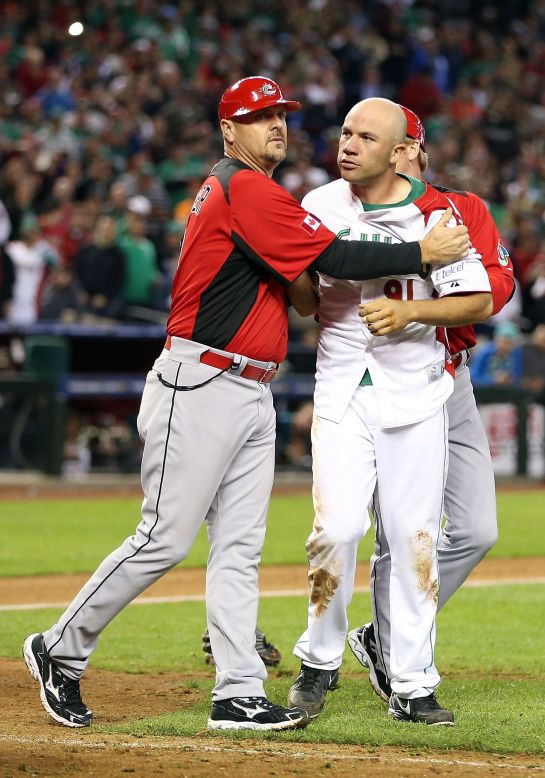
pixel 372 140
pixel 384 114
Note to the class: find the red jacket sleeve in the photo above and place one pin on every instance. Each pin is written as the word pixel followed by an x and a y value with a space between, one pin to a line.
pixel 272 228
pixel 487 241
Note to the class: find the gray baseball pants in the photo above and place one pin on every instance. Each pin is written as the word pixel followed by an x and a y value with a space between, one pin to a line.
pixel 208 454
pixel 470 529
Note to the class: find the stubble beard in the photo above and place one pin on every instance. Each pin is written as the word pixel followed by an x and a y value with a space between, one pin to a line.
pixel 276 157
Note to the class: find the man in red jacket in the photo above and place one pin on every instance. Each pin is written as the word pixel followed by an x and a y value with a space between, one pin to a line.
pixel 470 501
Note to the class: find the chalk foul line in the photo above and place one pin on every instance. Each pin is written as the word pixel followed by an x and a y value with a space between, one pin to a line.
pixel 479 583
pixel 188 745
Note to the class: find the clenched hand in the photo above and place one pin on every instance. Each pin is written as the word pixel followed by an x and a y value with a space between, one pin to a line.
pixel 444 244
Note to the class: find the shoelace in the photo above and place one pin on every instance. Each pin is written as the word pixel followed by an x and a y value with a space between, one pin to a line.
pixel 311 678
pixel 262 701
pixel 70 691
pixel 430 703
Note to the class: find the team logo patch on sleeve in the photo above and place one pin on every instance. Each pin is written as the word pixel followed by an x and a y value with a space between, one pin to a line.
pixel 310 224
pixel 503 255
pixel 200 198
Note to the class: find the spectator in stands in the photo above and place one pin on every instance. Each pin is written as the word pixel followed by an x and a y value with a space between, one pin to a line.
pixel 141 270
pixel 62 297
pixel 499 363
pixel 7 275
pixel 20 196
pixel 534 291
pixel 298 445
pixel 174 234
pixel 7 278
pixel 99 174
pixel 533 364
pixel 100 269
pixel 144 181
pixel 55 218
pixel 116 205
pixel 76 460
pixel 32 256
pixel 56 96
pixel 421 92
pixel 5 225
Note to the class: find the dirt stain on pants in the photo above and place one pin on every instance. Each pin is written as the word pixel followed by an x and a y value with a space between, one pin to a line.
pixel 323 586
pixel 422 548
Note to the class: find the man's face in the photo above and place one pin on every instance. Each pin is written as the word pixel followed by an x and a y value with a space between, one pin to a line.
pixel 105 232
pixel 367 147
pixel 262 136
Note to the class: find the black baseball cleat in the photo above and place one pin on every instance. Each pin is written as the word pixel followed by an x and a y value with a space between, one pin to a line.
pixel 363 646
pixel 268 652
pixel 310 688
pixel 257 713
pixel 60 695
pixel 422 710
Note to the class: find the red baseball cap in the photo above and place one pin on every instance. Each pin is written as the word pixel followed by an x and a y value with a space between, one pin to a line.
pixel 253 94
pixel 415 128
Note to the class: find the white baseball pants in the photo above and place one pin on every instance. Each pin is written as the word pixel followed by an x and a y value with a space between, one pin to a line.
pixel 470 528
pixel 208 453
pixel 408 466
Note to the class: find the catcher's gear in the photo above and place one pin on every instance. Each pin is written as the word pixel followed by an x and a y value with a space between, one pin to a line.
pixel 253 94
pixel 268 652
pixel 415 128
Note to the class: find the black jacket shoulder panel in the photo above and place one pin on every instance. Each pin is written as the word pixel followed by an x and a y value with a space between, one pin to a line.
pixel 446 190
pixel 225 169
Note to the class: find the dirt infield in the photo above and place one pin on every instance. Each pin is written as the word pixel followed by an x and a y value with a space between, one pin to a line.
pixel 31 743
pixel 182 583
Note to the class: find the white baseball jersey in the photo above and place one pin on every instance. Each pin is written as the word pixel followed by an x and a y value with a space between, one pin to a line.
pixel 410 371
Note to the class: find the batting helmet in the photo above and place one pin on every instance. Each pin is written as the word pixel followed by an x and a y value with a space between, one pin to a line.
pixel 415 128
pixel 253 94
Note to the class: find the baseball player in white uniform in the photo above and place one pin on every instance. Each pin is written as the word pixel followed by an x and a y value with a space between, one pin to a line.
pixel 470 529
pixel 380 421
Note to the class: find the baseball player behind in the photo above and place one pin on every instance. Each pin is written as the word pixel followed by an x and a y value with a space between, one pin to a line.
pixel 207 417
pixel 380 420
pixel 471 528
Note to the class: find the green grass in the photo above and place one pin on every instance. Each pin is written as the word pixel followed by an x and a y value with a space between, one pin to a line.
pixel 82 533
pixel 493 669
pixel 489 644
pixel 354 715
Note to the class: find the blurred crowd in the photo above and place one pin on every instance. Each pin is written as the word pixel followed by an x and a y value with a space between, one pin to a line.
pixel 108 125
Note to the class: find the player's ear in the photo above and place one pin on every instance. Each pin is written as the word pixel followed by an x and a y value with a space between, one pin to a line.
pixel 397 152
pixel 413 150
pixel 227 129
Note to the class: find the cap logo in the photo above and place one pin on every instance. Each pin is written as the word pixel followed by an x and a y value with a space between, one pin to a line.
pixel 268 90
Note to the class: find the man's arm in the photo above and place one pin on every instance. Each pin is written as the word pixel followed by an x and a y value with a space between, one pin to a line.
pixel 303 295
pixel 384 316
pixel 361 260
pixel 488 242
